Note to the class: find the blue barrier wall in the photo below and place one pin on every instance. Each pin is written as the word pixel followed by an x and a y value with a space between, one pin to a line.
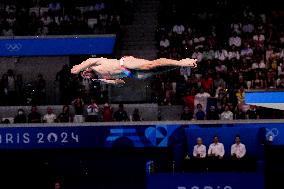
pixel 57 45
pixel 144 134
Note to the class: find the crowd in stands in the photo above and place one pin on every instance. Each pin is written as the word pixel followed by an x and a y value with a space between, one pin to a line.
pixel 15 91
pixel 91 112
pixel 236 51
pixel 61 17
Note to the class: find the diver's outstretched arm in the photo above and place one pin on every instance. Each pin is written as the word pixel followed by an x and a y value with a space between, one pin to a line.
pixel 111 81
pixel 85 64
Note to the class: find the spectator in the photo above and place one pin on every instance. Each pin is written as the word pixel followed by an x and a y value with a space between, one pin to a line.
pixel 65 116
pixel 235 40
pixel 34 116
pixel 201 98
pixel 207 82
pixel 92 112
pixel 107 113
pixel 4 89
pixel 199 115
pixel 164 43
pixel 169 92
pixel 239 113
pixel 11 87
pixel 248 27
pixel 63 77
pixel 212 114
pixel 257 83
pixel 50 117
pixel 136 115
pixel 78 104
pixel 186 114
pixel 221 68
pixel 233 53
pixel 216 149
pixel 218 81
pixel 247 52
pixel 238 150
pixel 227 114
pixel 199 150
pixel 189 99
pixel 221 54
pixel 41 89
pixel 252 113
pixel 20 117
pixel 57 185
pixel 120 114
pixel 178 29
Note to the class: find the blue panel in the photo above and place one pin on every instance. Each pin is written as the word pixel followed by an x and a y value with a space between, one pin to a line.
pixel 205 181
pixel 45 136
pixel 57 46
pixel 264 97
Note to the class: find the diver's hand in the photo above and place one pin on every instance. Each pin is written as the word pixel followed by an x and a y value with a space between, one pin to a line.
pixel 76 69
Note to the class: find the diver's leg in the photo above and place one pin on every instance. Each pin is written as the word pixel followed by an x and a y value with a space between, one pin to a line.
pixel 147 65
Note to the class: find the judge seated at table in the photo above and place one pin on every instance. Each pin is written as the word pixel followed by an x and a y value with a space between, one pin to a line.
pixel 199 150
pixel 216 149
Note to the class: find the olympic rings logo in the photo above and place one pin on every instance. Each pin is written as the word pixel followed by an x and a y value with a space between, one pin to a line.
pixel 13 47
pixel 271 134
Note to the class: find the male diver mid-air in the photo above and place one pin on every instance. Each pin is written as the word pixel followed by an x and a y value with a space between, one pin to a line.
pixel 111 71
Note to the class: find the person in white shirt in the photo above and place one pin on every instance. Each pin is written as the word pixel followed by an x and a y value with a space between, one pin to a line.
pixel 164 43
pixel 238 150
pixel 201 98
pixel 227 114
pixel 233 53
pixel 221 54
pixel 178 29
pixel 50 117
pixel 197 55
pixel 199 150
pixel 216 149
pixel 235 40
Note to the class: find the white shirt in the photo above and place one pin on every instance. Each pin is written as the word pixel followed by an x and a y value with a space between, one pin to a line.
pixel 201 98
pixel 165 43
pixel 234 54
pixel 227 115
pixel 239 150
pixel 246 52
pixel 221 55
pixel 237 41
pixel 248 28
pixel 199 149
pixel 259 38
pixel 198 56
pixel 49 118
pixel 179 29
pixel 93 109
pixel 216 149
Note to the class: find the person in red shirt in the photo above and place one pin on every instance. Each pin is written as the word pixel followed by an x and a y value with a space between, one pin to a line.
pixel 207 82
pixel 189 99
pixel 107 113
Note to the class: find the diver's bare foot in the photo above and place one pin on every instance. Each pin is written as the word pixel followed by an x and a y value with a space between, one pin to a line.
pixel 188 62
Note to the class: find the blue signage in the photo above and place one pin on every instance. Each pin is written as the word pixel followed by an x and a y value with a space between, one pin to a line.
pixel 205 181
pixel 57 45
pixel 156 135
